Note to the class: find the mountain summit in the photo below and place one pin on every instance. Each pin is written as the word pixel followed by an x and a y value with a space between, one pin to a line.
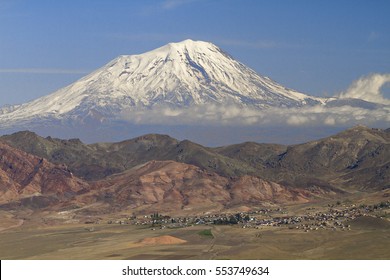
pixel 177 75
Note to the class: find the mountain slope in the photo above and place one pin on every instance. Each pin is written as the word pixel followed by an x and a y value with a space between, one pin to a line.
pixel 172 186
pixel 34 181
pixel 161 173
pixel 177 75
pixel 355 159
pixel 30 182
pixel 96 161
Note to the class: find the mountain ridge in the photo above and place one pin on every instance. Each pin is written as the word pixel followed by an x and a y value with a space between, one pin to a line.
pixel 345 153
pixel 153 171
pixel 31 182
pixel 34 181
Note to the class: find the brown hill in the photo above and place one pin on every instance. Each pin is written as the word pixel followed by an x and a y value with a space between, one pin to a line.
pixel 32 181
pixel 162 173
pixel 97 161
pixel 165 186
pixel 172 186
pixel 355 159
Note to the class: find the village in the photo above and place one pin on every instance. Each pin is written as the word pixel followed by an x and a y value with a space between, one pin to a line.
pixel 336 217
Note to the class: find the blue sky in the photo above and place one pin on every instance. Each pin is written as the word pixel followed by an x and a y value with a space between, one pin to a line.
pixel 317 47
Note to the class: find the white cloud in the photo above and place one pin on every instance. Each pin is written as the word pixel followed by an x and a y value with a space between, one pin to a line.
pixel 368 88
pixel 330 121
pixel 297 119
pixel 334 114
pixel 233 115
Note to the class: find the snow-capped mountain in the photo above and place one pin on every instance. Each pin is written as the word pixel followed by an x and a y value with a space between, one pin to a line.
pixel 177 75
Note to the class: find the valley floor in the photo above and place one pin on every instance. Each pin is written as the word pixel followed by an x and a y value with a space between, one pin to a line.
pixel 364 237
pixel 229 242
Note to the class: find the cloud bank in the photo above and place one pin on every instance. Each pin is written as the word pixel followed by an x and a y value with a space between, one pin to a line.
pixel 341 114
pixel 368 88
pixel 232 115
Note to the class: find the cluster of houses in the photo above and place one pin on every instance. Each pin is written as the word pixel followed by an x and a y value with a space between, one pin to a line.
pixel 336 217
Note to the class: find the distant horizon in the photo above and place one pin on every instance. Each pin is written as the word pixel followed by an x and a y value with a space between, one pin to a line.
pixel 212 136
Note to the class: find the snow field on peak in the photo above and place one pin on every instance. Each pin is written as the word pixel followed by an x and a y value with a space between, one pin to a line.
pixel 177 75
